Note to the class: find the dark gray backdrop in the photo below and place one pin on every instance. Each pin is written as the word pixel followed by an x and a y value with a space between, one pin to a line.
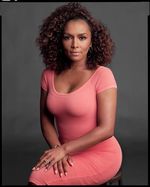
pixel 21 70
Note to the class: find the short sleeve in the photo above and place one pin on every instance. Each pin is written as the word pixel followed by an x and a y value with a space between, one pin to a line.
pixel 105 80
pixel 44 81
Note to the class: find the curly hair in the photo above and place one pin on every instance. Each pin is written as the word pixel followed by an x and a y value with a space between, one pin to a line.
pixel 50 38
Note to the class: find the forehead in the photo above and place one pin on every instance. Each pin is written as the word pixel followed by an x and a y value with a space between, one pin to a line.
pixel 78 25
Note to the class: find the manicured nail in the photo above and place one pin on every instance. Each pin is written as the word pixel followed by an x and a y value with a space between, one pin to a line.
pixel 71 164
pixel 55 172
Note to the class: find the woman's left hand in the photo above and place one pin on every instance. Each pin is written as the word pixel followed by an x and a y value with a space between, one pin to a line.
pixel 50 157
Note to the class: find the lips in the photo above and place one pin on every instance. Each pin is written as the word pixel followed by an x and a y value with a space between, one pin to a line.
pixel 75 53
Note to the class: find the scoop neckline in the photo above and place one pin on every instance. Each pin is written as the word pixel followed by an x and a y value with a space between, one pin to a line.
pixel 74 91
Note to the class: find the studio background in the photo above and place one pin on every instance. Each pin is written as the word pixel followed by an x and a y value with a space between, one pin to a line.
pixel 22 140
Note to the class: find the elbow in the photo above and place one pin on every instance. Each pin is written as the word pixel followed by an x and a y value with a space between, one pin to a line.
pixel 105 132
pixel 110 132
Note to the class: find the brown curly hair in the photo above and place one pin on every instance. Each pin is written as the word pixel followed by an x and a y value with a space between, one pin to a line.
pixel 50 38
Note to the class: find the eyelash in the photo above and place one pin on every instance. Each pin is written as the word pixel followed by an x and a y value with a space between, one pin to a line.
pixel 68 37
pixel 83 38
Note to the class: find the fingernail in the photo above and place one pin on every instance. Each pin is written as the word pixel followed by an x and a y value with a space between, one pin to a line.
pixel 66 173
pixel 71 164
pixel 46 169
pixel 60 174
pixel 55 171
pixel 33 168
pixel 37 168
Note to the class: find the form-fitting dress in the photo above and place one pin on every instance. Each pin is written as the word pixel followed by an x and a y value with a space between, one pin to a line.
pixel 76 115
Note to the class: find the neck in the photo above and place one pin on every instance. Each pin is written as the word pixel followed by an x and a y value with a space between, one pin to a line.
pixel 78 65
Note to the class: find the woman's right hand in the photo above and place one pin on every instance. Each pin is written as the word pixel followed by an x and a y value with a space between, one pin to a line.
pixel 61 167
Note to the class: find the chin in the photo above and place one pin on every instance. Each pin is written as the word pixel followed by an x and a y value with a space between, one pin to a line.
pixel 78 57
pixel 75 59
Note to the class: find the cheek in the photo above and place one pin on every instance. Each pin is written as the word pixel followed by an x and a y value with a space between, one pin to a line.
pixel 86 47
pixel 66 45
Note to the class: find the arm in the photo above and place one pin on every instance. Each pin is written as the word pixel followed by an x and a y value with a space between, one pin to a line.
pixel 51 137
pixel 47 122
pixel 106 112
pixel 106 102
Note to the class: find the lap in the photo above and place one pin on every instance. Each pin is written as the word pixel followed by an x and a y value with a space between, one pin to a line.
pixel 88 168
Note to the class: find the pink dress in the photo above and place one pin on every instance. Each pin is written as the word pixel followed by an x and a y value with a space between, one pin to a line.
pixel 75 115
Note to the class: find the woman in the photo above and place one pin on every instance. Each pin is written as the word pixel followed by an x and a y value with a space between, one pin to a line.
pixel 79 93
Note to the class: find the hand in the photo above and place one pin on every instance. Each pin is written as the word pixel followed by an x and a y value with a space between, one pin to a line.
pixel 50 157
pixel 62 165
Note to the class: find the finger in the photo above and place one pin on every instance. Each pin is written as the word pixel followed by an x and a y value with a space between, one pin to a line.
pixel 55 168
pixel 36 167
pixel 37 164
pixel 44 155
pixel 64 166
pixel 60 168
pixel 41 160
pixel 51 163
pixel 70 161
pixel 41 164
pixel 47 167
pixel 46 159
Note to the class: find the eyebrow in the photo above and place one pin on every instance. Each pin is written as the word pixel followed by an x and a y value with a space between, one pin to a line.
pixel 72 35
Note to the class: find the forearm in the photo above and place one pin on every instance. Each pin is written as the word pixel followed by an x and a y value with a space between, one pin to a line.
pixel 95 136
pixel 49 132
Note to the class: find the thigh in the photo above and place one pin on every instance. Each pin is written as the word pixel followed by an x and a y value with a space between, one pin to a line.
pixel 88 168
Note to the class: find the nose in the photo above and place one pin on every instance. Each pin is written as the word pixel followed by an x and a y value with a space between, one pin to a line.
pixel 74 43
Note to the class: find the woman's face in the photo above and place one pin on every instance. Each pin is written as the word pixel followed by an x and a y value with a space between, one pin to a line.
pixel 76 40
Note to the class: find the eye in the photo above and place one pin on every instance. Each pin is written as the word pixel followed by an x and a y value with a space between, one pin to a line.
pixel 82 38
pixel 66 37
